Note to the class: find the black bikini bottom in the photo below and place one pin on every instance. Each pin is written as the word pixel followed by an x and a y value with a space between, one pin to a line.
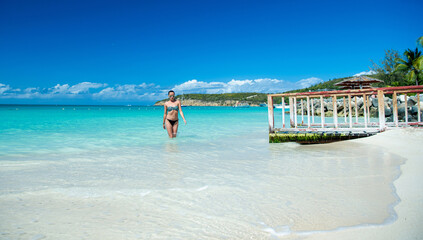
pixel 172 122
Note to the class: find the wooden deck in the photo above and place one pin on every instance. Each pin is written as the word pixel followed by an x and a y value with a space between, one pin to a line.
pixel 309 128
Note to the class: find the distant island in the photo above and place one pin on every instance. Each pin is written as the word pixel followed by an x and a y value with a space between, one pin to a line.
pixel 224 99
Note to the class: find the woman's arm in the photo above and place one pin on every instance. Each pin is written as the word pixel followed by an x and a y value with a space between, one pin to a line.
pixel 164 116
pixel 180 110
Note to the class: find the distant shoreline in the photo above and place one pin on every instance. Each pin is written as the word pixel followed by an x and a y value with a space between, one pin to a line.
pixel 73 105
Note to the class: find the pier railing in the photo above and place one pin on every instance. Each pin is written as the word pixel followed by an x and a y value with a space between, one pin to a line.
pixel 341 110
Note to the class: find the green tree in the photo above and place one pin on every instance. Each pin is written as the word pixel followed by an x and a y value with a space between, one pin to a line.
pixel 385 70
pixel 412 65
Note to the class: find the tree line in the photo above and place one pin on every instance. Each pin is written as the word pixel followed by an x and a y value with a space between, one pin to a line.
pixel 395 70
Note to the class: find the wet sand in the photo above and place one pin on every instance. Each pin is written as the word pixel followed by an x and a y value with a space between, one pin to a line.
pixel 407 143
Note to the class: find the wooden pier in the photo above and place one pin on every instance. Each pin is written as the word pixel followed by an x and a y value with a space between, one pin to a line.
pixel 309 123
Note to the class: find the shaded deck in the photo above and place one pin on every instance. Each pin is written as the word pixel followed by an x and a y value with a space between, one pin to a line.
pixel 307 127
pixel 313 137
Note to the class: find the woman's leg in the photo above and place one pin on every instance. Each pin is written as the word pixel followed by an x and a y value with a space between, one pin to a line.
pixel 175 128
pixel 169 128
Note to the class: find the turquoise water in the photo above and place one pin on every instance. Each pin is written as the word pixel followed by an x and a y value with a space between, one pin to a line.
pixel 111 172
pixel 26 129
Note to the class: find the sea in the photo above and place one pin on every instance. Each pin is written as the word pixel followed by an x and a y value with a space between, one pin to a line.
pixel 112 172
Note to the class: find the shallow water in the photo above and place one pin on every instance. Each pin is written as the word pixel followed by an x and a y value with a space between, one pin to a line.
pixel 112 173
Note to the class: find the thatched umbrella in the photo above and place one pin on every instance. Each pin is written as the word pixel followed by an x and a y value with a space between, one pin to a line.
pixel 359 82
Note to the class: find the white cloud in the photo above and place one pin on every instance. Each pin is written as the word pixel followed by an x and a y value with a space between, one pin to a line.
pixel 8 92
pixel 257 85
pixel 130 92
pixel 304 83
pixel 4 88
pixel 263 85
pixel 59 89
pixel 370 72
pixel 150 91
pixel 30 90
pixel 195 86
pixel 84 87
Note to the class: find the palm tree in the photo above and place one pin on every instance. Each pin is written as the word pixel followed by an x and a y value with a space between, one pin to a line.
pixel 420 41
pixel 412 65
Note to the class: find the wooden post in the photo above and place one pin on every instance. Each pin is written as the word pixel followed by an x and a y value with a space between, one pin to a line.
pixel 406 109
pixel 295 111
pixel 302 112
pixel 368 108
pixel 364 110
pixel 418 108
pixel 349 110
pixel 395 104
pixel 335 111
pixel 322 111
pixel 283 112
pixel 312 110
pixel 345 110
pixel 381 104
pixel 291 112
pixel 356 109
pixel 270 113
pixel 308 112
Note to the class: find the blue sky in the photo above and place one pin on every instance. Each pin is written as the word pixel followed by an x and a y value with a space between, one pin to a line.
pixel 133 52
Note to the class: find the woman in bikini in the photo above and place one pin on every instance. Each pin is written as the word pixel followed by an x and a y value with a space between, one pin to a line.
pixel 170 117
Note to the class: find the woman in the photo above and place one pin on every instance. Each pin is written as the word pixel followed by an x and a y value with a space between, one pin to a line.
pixel 170 118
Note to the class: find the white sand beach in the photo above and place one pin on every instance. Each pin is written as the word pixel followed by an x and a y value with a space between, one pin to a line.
pixel 407 143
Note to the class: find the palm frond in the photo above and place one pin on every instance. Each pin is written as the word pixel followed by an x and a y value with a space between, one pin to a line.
pixel 401 68
pixel 417 53
pixel 400 61
pixel 419 63
pixel 420 41
pixel 411 76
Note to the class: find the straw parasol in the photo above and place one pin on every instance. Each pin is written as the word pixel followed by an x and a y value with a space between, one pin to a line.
pixel 359 82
